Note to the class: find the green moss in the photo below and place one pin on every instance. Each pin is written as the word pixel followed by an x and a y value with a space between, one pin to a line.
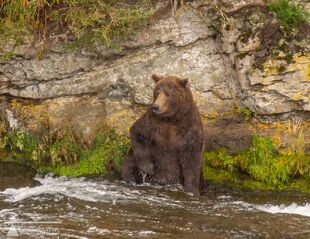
pixel 233 179
pixel 289 14
pixel 262 167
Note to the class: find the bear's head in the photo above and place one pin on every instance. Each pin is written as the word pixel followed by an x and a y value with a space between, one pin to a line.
pixel 171 95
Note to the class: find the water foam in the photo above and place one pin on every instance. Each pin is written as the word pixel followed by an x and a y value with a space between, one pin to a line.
pixel 59 185
pixel 303 210
pixel 114 193
pixel 87 190
pixel 294 208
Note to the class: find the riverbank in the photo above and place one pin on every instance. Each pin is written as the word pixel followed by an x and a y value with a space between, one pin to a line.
pixel 264 166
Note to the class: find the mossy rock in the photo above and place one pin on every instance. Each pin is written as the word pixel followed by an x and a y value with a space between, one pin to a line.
pixel 11 168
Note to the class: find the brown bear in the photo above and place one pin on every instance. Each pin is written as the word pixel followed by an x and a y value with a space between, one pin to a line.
pixel 167 140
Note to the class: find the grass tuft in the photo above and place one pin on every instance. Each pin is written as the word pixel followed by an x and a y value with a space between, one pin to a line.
pixel 89 22
pixel 63 155
pixel 262 162
pixel 289 14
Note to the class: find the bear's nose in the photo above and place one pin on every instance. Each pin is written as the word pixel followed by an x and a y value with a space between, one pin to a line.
pixel 155 108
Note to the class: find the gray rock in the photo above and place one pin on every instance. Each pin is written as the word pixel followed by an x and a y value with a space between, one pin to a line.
pixel 226 53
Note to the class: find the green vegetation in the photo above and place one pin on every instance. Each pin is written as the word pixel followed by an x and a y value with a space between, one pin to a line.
pixel 63 155
pixel 248 114
pixel 262 166
pixel 17 144
pixel 290 15
pixel 236 180
pixel 90 22
pixel 103 156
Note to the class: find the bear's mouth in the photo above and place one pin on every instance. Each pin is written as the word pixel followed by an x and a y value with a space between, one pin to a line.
pixel 158 111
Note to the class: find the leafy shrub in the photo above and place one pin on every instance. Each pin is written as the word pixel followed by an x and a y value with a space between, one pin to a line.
pixel 290 15
pixel 63 151
pixel 299 164
pixel 262 149
pixel 62 154
pixel 18 143
pixel 220 159
pixel 105 154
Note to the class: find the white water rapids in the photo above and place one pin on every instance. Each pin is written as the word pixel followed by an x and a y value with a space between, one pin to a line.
pixel 108 192
pixel 98 208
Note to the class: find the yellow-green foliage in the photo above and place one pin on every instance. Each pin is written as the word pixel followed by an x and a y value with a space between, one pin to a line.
pixel 262 162
pixel 57 150
pixel 235 180
pixel 18 144
pixel 103 156
pixel 62 154
pixel 91 22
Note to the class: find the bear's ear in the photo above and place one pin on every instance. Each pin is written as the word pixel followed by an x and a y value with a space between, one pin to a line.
pixel 185 82
pixel 156 78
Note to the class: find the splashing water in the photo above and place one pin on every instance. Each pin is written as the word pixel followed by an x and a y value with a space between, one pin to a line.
pixel 97 208
pixel 293 208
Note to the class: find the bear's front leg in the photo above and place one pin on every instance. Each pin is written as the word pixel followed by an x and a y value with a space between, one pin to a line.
pixel 142 145
pixel 129 171
pixel 142 151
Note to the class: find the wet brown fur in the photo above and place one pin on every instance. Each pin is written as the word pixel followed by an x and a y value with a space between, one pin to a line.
pixel 166 147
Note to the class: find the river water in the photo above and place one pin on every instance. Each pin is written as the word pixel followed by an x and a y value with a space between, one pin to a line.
pixel 61 207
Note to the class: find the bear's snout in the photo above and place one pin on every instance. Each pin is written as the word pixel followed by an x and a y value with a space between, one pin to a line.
pixel 160 104
pixel 155 108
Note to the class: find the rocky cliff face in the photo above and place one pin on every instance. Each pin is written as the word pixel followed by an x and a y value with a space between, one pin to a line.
pixel 247 77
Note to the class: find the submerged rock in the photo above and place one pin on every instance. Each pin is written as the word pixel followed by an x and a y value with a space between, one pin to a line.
pixel 11 168
pixel 11 182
